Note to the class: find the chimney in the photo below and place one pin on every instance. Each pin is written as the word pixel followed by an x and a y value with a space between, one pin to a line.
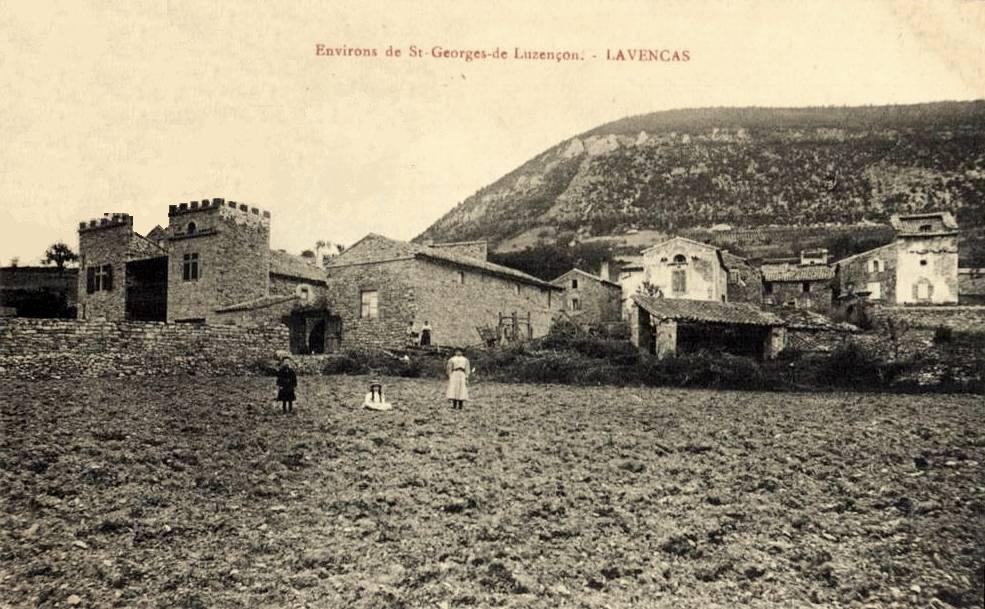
pixel 604 270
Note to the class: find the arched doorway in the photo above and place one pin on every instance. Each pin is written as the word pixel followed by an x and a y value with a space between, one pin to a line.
pixel 316 337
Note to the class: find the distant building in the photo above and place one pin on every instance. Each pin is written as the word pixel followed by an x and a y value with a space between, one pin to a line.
pixel 589 298
pixel 971 286
pixel 630 282
pixel 667 326
pixel 801 284
pixel 745 281
pixel 380 288
pixel 683 268
pixel 39 291
pixel 920 266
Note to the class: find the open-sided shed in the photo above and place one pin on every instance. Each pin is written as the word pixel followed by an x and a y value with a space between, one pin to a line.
pixel 665 326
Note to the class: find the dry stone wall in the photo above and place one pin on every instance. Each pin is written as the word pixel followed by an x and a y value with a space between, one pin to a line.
pixel 49 348
pixel 960 318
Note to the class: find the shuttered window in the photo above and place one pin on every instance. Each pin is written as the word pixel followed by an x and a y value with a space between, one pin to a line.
pixel 99 278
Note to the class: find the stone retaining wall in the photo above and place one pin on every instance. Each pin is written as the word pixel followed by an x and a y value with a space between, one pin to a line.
pixel 959 317
pixel 54 348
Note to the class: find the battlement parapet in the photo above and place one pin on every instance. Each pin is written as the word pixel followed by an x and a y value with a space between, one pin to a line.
pixel 219 204
pixel 109 220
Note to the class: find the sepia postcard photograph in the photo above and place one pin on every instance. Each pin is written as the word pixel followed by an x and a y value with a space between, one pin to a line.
pixel 463 304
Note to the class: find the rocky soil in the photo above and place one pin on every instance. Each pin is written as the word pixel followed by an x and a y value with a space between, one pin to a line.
pixel 193 492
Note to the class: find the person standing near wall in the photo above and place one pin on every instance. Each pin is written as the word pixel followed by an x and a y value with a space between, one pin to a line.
pixel 458 373
pixel 287 380
pixel 426 334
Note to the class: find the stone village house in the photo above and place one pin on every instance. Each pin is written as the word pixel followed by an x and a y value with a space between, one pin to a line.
pixel 589 299
pixel 799 284
pixel 213 264
pixel 382 289
pixel 920 266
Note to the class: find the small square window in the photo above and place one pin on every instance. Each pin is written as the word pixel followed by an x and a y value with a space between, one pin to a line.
pixel 574 284
pixel 806 287
pixel 516 289
pixel 461 277
pixel 923 262
pixel 369 305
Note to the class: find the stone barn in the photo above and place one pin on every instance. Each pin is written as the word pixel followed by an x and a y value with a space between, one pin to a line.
pixel 384 290
pixel 666 326
pixel 589 299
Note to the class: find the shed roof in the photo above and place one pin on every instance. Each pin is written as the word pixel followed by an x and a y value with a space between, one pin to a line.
pixel 707 311
pixel 376 248
pixel 289 265
pixel 257 303
pixel 805 320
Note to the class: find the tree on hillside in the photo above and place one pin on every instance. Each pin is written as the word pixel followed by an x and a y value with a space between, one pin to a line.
pixel 59 254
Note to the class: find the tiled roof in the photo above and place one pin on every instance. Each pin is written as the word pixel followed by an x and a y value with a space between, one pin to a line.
pixel 802 319
pixel 584 274
pixel 377 248
pixel 257 303
pixel 731 261
pixel 819 272
pixel 940 222
pixel 709 311
pixel 889 245
pixel 289 265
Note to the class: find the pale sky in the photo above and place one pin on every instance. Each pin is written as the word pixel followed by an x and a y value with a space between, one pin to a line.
pixel 129 107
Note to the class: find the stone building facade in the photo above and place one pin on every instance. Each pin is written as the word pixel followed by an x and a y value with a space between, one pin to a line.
pixel 920 266
pixel 384 290
pixel 589 298
pixel 682 268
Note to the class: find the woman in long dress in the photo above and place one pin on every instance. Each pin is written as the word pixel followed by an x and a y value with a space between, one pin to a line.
pixel 458 374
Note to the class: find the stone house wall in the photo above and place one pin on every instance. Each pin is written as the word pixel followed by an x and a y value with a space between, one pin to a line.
pixel 856 274
pixel 745 284
pixel 455 309
pixel 49 348
pixel 597 301
pixel 818 298
pixel 395 297
pixel 412 291
pixel 931 262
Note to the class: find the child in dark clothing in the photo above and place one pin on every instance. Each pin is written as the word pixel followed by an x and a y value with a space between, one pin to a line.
pixel 287 380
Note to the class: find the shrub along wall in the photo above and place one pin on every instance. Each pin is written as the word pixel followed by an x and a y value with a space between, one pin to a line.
pixel 49 348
